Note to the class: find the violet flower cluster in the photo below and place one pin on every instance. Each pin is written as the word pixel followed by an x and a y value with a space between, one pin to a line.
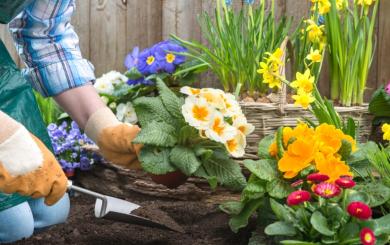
pixel 163 57
pixel 68 142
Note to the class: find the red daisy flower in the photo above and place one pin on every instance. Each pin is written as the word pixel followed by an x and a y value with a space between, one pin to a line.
pixel 297 183
pixel 367 236
pixel 298 197
pixel 317 177
pixel 345 183
pixel 327 190
pixel 359 210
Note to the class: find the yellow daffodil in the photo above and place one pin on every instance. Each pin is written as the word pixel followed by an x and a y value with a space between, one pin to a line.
pixel 303 99
pixel 315 32
pixel 304 82
pixel 341 4
pixel 220 131
pixel 236 146
pixel 386 131
pixel 314 56
pixel 365 2
pixel 197 112
pixel 189 91
pixel 242 125
pixel 270 75
pixel 322 5
pixel 275 57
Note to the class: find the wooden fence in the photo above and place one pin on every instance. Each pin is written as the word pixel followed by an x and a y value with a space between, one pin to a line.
pixel 109 29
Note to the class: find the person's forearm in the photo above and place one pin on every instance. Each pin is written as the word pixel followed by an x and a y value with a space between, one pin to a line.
pixel 80 103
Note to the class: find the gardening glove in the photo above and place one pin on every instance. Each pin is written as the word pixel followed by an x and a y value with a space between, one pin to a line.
pixel 27 167
pixel 114 138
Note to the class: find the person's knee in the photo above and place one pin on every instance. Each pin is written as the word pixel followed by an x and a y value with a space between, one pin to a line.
pixel 45 216
pixel 16 223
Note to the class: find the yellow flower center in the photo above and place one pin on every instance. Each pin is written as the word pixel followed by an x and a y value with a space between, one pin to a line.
pixel 150 60
pixel 217 126
pixel 200 113
pixel 242 129
pixel 170 58
pixel 368 237
pixel 232 145
pixel 195 91
pixel 298 197
pixel 328 192
pixel 359 210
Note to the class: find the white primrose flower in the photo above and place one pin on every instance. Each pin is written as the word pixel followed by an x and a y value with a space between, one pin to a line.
pixel 214 97
pixel 236 146
pixel 189 91
pixel 115 77
pixel 232 107
pixel 219 130
pixel 104 99
pixel 104 87
pixel 112 105
pixel 241 124
pixel 197 112
pixel 126 113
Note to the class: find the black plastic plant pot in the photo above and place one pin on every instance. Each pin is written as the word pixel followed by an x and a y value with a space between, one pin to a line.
pixel 171 180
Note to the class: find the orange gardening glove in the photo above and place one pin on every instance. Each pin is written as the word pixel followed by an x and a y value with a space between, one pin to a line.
pixel 27 167
pixel 114 138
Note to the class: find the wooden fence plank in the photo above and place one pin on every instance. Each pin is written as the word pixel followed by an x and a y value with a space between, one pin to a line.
pixel 7 39
pixel 383 43
pixel 81 23
pixel 144 23
pixel 108 35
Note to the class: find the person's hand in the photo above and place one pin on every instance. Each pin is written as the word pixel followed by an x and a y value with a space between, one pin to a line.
pixel 114 138
pixel 27 167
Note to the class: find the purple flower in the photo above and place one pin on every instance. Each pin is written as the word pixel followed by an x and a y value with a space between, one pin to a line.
pixel 132 58
pixel 139 81
pixel 166 54
pixel 147 63
pixel 51 127
pixel 85 163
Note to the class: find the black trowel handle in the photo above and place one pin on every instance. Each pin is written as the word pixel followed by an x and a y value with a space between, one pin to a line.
pixel 90 193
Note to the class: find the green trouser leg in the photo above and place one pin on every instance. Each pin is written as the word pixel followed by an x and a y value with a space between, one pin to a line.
pixel 18 101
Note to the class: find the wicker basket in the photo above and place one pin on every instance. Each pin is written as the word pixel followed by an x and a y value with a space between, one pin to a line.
pixel 268 117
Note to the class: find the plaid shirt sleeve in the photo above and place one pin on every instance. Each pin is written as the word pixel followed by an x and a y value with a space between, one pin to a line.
pixel 49 46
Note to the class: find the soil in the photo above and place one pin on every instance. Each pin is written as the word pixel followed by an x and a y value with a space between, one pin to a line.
pixel 203 223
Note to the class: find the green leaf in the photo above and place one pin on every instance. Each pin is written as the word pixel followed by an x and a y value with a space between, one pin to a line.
pixel 280 228
pixel 264 144
pixel 292 242
pixel 150 109
pixel 281 212
pixel 157 134
pixel 320 224
pixel 227 171
pixel 184 159
pixel 380 103
pixel 171 102
pixel 345 149
pixel 241 220
pixel 258 237
pixel 380 226
pixel 156 161
pixel 133 74
pixel 349 231
pixel 377 192
pixel 263 169
pixel 232 207
pixel 279 188
pixel 279 142
pixel 255 189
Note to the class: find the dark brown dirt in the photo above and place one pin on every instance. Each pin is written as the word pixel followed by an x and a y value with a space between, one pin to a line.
pixel 204 224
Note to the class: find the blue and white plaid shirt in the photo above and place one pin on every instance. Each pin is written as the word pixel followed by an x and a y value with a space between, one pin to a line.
pixel 49 46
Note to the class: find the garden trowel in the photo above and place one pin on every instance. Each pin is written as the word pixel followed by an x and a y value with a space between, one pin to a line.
pixel 115 209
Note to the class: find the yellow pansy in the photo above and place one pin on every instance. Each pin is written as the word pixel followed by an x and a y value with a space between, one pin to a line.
pixel 386 131
pixel 304 82
pixel 303 99
pixel 315 32
pixel 314 56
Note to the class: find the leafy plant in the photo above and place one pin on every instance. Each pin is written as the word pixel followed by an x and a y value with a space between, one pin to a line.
pixel 349 26
pixel 171 143
pixel 49 109
pixel 236 42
